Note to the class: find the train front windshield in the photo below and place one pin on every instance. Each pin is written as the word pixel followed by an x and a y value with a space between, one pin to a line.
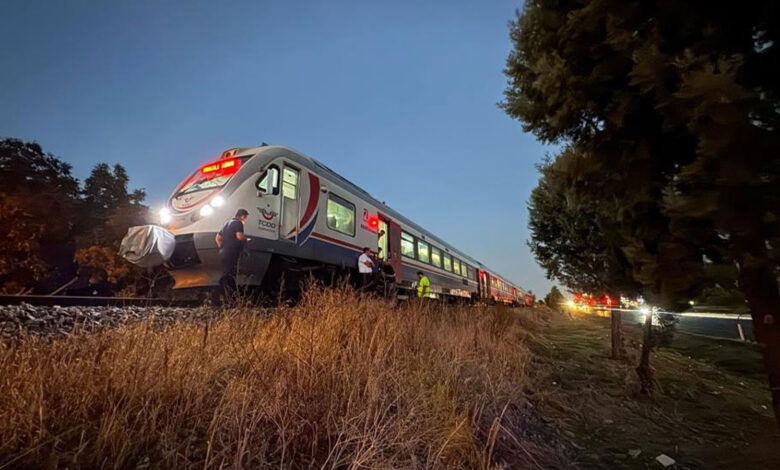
pixel 211 176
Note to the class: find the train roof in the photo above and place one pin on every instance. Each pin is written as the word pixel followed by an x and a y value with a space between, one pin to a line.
pixel 314 164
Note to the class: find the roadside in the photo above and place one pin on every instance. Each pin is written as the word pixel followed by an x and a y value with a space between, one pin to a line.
pixel 711 408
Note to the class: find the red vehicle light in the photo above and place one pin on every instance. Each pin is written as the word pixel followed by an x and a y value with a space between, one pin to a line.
pixel 225 167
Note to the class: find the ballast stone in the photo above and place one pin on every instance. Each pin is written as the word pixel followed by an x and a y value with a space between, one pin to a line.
pixel 21 320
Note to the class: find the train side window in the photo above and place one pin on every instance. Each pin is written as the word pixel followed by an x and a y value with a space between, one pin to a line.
pixel 290 183
pixel 469 272
pixel 456 266
pixel 423 253
pixel 435 256
pixel 341 215
pixel 447 262
pixel 269 181
pixel 407 245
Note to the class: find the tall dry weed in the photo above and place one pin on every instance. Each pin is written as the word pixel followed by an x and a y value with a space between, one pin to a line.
pixel 336 381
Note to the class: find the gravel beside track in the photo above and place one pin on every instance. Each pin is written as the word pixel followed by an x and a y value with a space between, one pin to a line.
pixel 18 321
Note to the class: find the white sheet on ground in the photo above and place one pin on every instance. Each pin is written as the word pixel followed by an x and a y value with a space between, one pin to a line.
pixel 147 245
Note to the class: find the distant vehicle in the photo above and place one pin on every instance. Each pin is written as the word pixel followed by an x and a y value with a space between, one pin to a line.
pixel 587 303
pixel 305 219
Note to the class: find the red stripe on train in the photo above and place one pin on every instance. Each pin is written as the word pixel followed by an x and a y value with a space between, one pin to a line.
pixel 311 206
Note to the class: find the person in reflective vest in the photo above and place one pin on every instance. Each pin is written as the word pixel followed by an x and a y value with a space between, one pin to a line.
pixel 423 286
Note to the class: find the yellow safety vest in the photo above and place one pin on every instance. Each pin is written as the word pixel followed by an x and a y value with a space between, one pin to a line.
pixel 424 287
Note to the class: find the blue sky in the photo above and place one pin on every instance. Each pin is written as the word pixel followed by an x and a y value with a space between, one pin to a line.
pixel 399 97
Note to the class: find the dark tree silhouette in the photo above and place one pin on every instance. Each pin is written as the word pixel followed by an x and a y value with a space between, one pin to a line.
pixel 38 205
pixel 673 109
pixel 576 245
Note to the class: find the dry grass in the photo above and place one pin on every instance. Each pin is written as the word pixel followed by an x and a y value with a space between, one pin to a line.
pixel 703 415
pixel 334 382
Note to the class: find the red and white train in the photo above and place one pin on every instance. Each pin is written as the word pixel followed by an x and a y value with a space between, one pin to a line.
pixel 305 219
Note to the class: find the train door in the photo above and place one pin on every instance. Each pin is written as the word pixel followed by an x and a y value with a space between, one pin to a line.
pixel 394 248
pixel 268 204
pixel 484 284
pixel 382 239
pixel 291 203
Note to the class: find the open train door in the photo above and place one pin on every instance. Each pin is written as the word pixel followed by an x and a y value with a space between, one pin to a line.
pixel 394 246
pixel 484 284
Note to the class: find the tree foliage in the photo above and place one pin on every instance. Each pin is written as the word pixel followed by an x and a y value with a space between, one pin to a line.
pixel 106 189
pixel 553 298
pixel 47 221
pixel 575 244
pixel 110 209
pixel 38 200
pixel 674 111
pixel 720 296
pixel 672 108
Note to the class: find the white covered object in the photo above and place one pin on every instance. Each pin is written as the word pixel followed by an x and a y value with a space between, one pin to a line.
pixel 147 245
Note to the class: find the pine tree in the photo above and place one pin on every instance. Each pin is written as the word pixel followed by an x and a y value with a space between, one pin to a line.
pixel 673 109
pixel 577 245
pixel 109 210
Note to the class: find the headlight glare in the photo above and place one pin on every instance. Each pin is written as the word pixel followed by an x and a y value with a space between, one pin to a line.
pixel 165 216
pixel 206 210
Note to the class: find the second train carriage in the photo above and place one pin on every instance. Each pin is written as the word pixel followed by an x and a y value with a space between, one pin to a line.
pixel 305 218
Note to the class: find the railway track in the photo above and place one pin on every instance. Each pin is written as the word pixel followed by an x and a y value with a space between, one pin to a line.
pixel 94 301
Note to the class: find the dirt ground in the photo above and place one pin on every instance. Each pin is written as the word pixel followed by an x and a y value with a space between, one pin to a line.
pixel 711 408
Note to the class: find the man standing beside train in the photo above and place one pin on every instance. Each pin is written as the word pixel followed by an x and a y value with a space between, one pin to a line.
pixel 423 286
pixel 365 267
pixel 231 241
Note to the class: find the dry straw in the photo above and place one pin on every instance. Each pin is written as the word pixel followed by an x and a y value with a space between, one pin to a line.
pixel 337 381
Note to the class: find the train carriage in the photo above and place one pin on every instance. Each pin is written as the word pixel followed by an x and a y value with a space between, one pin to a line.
pixel 305 219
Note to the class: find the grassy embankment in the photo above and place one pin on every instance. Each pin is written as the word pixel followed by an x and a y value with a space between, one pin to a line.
pixel 342 382
pixel 711 408
pixel 334 382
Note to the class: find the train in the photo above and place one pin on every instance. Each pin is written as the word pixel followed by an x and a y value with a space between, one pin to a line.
pixel 307 220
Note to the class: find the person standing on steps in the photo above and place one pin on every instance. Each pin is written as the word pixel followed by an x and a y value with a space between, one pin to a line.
pixel 365 267
pixel 230 240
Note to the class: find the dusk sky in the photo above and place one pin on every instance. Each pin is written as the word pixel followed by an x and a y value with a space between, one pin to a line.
pixel 399 97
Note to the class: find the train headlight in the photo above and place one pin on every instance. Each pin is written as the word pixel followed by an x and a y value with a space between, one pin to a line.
pixel 165 216
pixel 217 201
pixel 206 211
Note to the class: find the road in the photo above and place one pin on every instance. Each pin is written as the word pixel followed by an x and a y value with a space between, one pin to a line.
pixel 703 323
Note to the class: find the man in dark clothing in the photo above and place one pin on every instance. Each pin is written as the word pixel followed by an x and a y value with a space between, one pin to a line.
pixel 231 241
